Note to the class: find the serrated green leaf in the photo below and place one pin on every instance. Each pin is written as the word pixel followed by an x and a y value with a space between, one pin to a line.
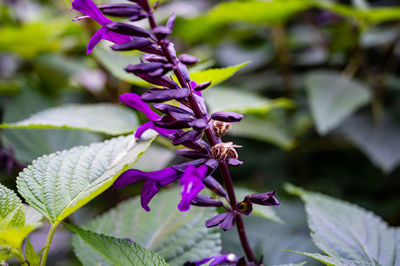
pixel 114 119
pixel 15 223
pixel 267 212
pixel 176 236
pixel 60 183
pixel 333 98
pixel 265 129
pixel 216 75
pixel 115 250
pixel 31 256
pixel 334 261
pixel 241 101
pixel 347 231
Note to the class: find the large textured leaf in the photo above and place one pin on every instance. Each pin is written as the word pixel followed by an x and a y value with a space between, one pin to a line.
pixel 333 98
pixel 346 231
pixel 32 143
pixel 15 223
pixel 114 250
pixel 216 75
pixel 241 101
pixel 60 183
pixel 259 210
pixel 104 118
pixel 274 239
pixel 334 261
pixel 174 235
pixel 379 140
pixel 265 129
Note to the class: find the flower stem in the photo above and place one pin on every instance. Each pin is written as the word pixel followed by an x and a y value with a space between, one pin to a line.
pixel 48 243
pixel 212 140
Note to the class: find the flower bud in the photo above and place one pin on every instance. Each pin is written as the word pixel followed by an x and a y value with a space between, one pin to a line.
pixel 188 59
pixel 267 198
pixel 135 44
pixel 142 3
pixel 155 58
pixel 127 29
pixel 188 136
pixel 229 117
pixel 162 95
pixel 171 22
pixel 202 86
pixel 214 186
pixel 120 10
pixel 147 67
pixel 162 32
pixel 206 201
pixel 198 123
pixel 168 109
pixel 138 16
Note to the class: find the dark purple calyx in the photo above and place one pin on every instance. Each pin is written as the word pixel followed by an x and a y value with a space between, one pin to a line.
pixel 244 207
pixel 188 136
pixel 233 162
pixel 206 201
pixel 267 198
pixel 211 183
pixel 162 32
pixel 162 95
pixel 120 10
pixel 143 3
pixel 188 59
pixel 229 117
pixel 170 109
pixel 192 154
pixel 127 29
pixel 136 43
pixel 171 22
pixel 155 58
pixel 202 86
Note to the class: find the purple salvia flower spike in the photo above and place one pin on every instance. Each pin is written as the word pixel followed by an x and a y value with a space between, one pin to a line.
pixel 192 184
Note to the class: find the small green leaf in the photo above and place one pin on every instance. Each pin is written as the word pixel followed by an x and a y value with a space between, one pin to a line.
pixel 265 129
pixel 176 236
pixel 216 75
pixel 114 119
pixel 241 101
pixel 31 256
pixel 15 223
pixel 333 98
pixel 267 212
pixel 60 183
pixel 115 250
pixel 345 231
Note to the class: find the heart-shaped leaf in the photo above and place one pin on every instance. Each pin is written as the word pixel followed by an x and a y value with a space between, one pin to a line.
pixel 114 119
pixel 176 236
pixel 60 183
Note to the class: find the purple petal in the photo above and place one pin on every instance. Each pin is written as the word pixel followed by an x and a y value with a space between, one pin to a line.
pixel 133 100
pixel 116 37
pixel 149 190
pixel 90 9
pixel 127 178
pixel 228 222
pixel 96 38
pixel 141 129
pixel 163 176
pixel 218 260
pixel 192 184
pixel 216 220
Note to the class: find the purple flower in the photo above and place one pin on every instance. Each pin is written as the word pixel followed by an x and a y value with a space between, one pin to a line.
pixel 133 100
pixel 89 8
pixel 153 182
pixel 225 220
pixel 192 184
pixel 225 259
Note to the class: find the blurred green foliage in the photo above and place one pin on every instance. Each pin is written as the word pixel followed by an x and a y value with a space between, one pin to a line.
pixel 321 95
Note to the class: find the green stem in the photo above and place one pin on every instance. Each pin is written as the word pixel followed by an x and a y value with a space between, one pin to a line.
pixel 48 243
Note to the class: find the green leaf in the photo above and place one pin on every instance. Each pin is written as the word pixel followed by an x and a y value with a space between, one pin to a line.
pixel 292 264
pixel 60 183
pixel 16 223
pixel 32 143
pixel 31 256
pixel 347 231
pixel 379 140
pixel 241 101
pixel 216 75
pixel 114 250
pixel 176 236
pixel 270 12
pixel 115 62
pixel 114 119
pixel 333 98
pixel 334 261
pixel 259 210
pixel 265 129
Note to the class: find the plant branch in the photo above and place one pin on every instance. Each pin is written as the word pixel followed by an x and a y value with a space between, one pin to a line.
pixel 212 140
pixel 46 247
